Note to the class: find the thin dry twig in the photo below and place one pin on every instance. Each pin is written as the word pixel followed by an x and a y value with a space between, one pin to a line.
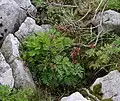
pixel 100 25
pixel 59 5
pixel 84 15
pixel 96 11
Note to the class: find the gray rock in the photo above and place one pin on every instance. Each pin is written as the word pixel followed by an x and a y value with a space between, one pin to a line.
pixel 28 27
pixel 46 27
pixel 12 14
pixel 74 97
pixel 6 77
pixel 110 21
pixel 110 85
pixel 10 48
pixel 26 5
pixel 21 73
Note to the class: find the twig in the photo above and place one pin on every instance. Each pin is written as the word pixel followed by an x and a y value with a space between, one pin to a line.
pixel 97 9
pixel 101 23
pixel 89 28
pixel 80 44
pixel 59 5
pixel 85 15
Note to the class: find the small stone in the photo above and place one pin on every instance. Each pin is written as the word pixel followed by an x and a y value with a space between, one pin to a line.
pixel 74 97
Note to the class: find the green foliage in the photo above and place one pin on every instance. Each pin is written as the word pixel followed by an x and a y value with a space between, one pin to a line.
pixel 8 94
pixel 37 3
pixel 109 99
pixel 66 12
pixel 4 91
pixel 47 55
pixel 97 91
pixel 47 63
pixel 114 4
pixel 54 15
pixel 104 57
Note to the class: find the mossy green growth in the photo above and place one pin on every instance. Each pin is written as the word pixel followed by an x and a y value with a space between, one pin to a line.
pixel 109 99
pixel 94 94
pixel 97 91
pixel 92 99
pixel 84 93
pixel 118 69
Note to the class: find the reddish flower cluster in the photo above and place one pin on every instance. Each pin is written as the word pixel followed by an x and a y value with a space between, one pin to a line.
pixel 52 36
pixel 62 28
pixel 53 66
pixel 92 45
pixel 75 52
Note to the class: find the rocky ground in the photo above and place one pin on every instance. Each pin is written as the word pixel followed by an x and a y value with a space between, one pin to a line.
pixel 17 21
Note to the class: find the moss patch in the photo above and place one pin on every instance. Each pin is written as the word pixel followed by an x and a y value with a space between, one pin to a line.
pixel 97 91
pixel 107 99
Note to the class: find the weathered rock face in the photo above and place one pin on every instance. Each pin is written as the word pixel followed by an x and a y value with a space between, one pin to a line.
pixel 10 48
pixel 110 85
pixel 26 5
pixel 22 75
pixel 12 15
pixel 74 97
pixel 109 20
pixel 6 77
pixel 28 27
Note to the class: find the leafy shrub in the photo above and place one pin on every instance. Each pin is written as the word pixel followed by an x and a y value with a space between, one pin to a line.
pixel 8 94
pixel 47 55
pixel 106 57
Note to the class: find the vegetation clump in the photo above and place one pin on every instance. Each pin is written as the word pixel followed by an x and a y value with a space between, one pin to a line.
pixel 106 57
pixel 48 57
pixel 56 60
pixel 23 94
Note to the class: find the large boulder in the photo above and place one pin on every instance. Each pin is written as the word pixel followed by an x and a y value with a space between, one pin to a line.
pixel 10 50
pixel 107 21
pixel 6 77
pixel 12 14
pixel 110 85
pixel 28 27
pixel 74 97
